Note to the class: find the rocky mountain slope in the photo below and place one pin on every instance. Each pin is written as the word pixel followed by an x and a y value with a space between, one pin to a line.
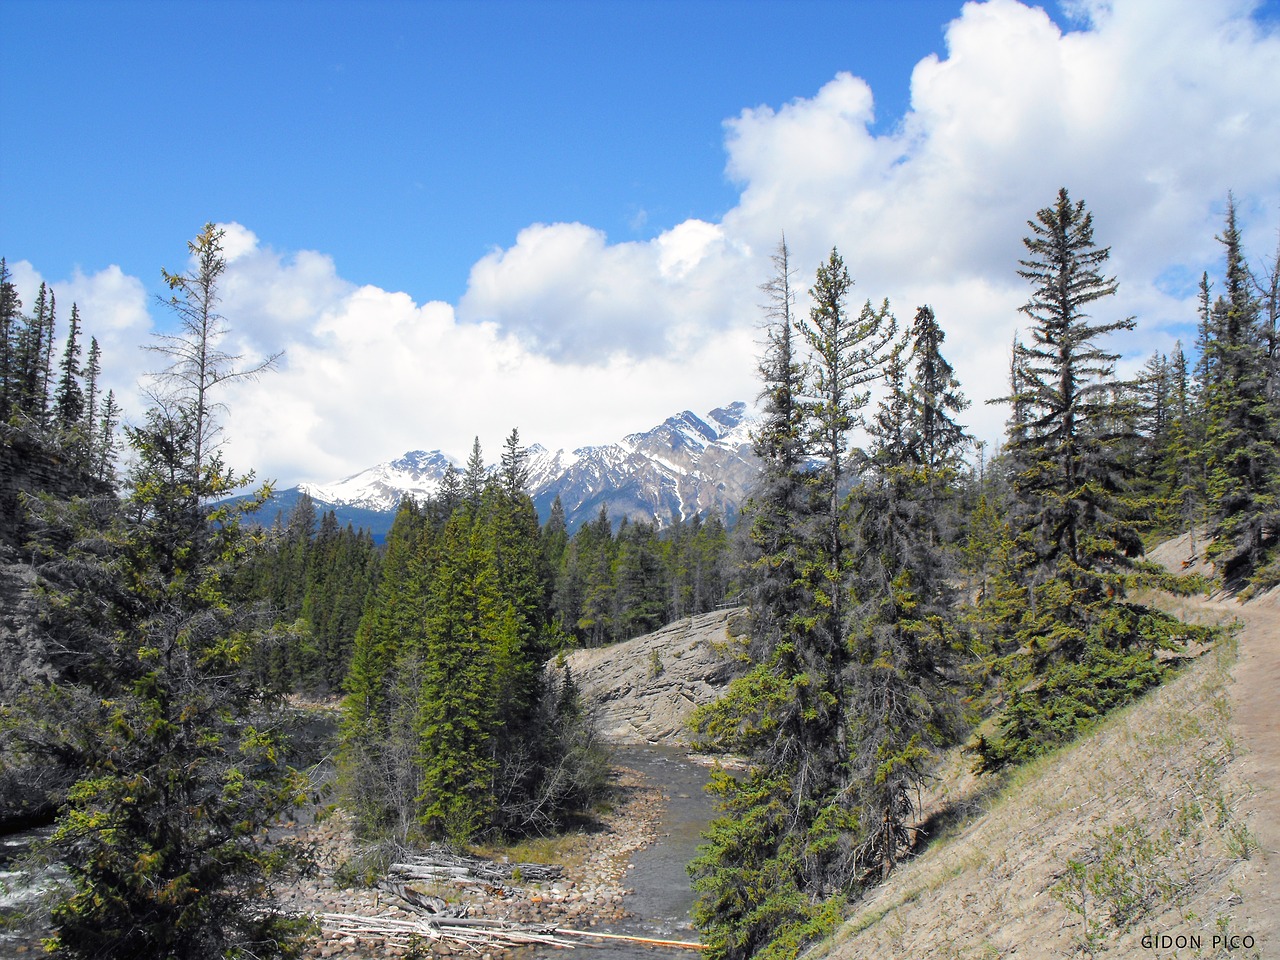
pixel 684 466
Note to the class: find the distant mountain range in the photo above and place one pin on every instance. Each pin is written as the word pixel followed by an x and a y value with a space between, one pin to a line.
pixel 684 466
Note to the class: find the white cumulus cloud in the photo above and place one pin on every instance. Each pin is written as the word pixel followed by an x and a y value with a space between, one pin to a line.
pixel 1149 110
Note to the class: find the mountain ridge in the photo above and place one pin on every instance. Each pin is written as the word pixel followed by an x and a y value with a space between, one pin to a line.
pixel 685 466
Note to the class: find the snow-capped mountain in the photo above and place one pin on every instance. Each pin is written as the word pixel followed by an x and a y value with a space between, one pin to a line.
pixel 684 466
pixel 417 473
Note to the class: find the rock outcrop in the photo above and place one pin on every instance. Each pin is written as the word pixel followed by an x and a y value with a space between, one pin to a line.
pixel 644 689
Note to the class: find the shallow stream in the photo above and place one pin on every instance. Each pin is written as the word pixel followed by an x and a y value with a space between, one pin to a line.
pixel 18 889
pixel 661 894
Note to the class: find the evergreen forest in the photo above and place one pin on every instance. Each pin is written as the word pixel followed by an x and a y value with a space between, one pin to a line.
pixel 906 594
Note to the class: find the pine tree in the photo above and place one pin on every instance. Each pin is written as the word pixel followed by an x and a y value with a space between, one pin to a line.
pixel 197 365
pixel 1243 463
pixel 68 401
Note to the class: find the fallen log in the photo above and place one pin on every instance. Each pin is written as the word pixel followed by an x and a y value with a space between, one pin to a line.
pixel 479 931
pixel 681 944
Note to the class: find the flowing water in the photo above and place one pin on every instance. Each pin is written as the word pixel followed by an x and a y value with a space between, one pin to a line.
pixel 661 894
pixel 19 889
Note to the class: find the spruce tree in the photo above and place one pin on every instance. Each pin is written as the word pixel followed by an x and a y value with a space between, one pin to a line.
pixel 1074 646
pixel 104 453
pixel 475 476
pixel 30 371
pixel 847 353
pixel 903 592
pixel 514 469
pixel 595 550
pixel 781 852
pixel 196 363
pixel 465 623
pixel 1077 525
pixel 68 401
pixel 92 371
pixel 10 330
pixel 377 765
pixel 781 499
pixel 178 752
pixel 1241 439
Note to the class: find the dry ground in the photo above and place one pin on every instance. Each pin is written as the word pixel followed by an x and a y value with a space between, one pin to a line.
pixel 1164 824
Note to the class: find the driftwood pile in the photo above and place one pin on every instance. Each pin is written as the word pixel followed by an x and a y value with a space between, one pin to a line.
pixel 470 932
pixel 436 921
pixel 441 866
pixel 475 932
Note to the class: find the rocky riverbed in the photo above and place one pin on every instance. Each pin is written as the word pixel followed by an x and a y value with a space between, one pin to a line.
pixel 596 861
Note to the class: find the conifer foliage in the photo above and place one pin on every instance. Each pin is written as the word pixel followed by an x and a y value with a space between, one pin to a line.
pixel 1075 520
pixel 450 729
pixel 176 749
pixel 1241 393
pixel 55 405
pixel 1073 646
pixel 846 580
pixel 315 578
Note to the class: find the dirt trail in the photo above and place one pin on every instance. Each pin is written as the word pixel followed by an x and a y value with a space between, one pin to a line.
pixel 1255 721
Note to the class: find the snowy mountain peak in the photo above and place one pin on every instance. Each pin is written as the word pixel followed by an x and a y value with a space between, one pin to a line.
pixel 727 418
pixel 422 461
pixel 418 473
pixel 684 466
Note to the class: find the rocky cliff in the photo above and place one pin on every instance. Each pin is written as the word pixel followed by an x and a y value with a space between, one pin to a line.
pixel 644 689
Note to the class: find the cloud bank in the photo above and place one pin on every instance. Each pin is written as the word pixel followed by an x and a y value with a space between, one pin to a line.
pixel 1149 110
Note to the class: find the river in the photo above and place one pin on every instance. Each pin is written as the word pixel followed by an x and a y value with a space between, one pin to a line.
pixel 18 891
pixel 661 895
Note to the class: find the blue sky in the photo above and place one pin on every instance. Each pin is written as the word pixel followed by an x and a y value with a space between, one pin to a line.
pixel 404 139
pixel 460 217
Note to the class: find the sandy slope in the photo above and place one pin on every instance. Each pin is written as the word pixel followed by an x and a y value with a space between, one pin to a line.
pixel 1164 823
